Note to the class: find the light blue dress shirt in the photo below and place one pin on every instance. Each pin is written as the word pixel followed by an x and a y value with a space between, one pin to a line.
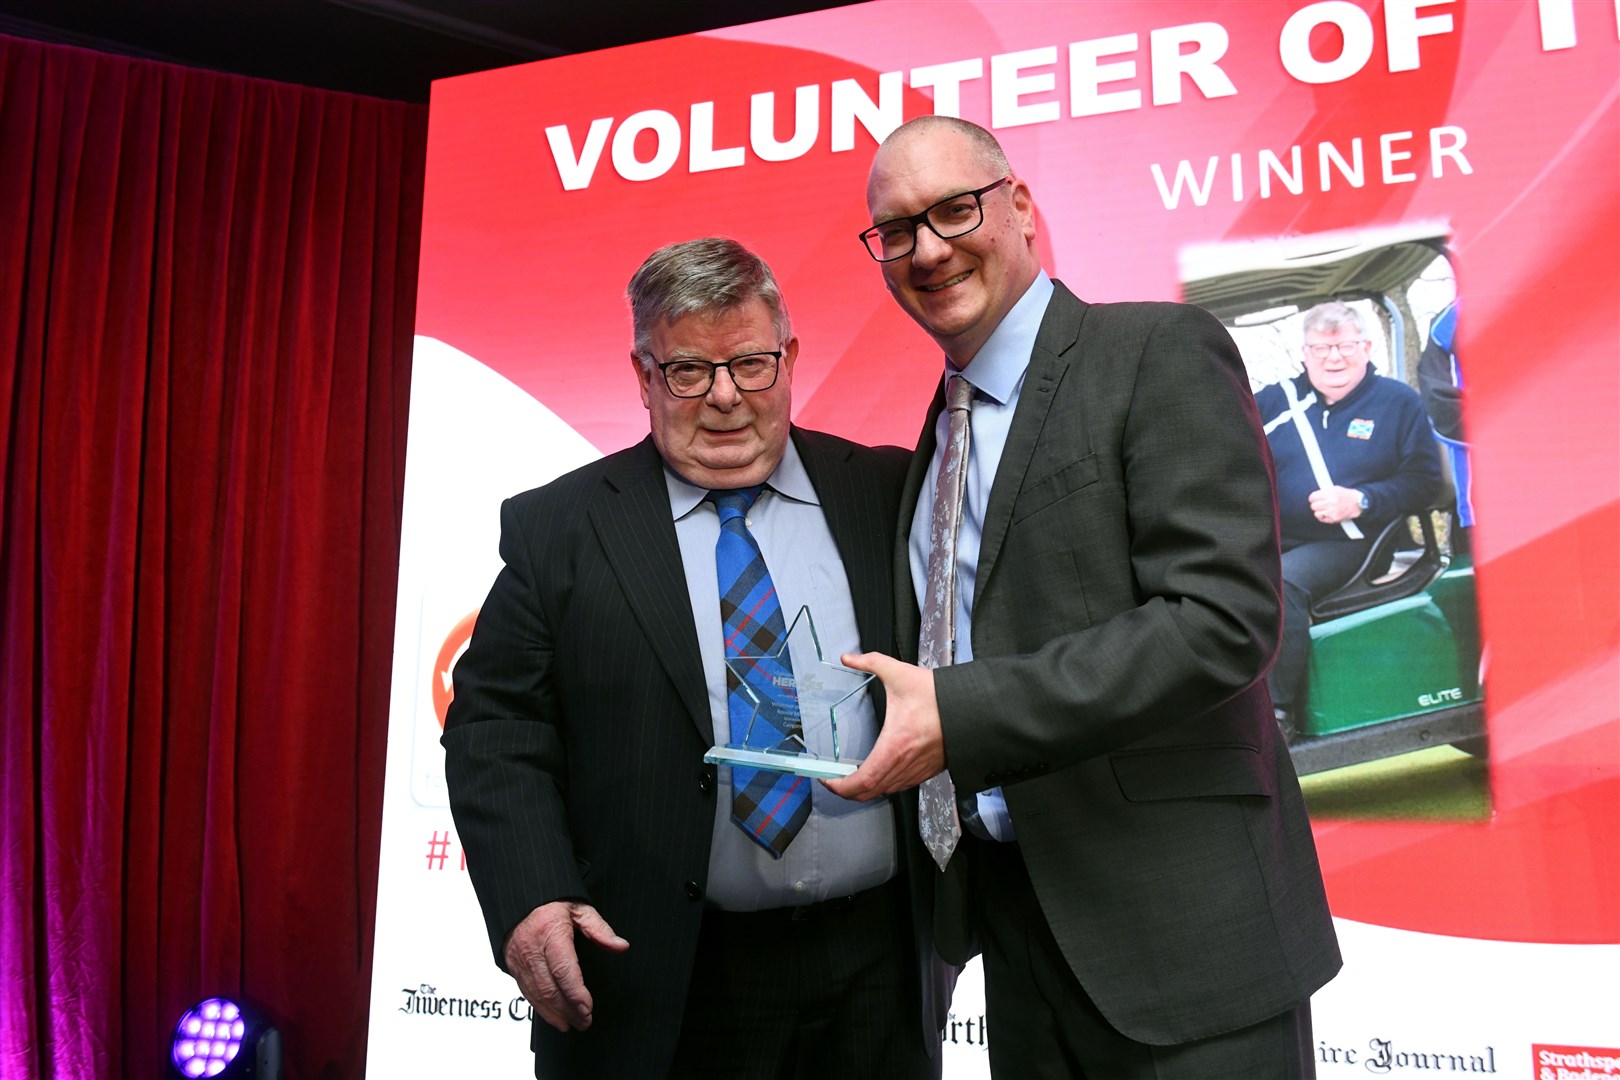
pixel 997 375
pixel 845 847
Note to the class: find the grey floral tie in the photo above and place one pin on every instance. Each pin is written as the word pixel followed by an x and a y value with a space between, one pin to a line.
pixel 936 647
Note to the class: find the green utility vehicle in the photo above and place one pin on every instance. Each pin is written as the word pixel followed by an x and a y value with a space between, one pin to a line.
pixel 1397 662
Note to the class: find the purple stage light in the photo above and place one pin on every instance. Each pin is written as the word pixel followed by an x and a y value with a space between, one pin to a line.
pixel 210 1040
pixel 197 1052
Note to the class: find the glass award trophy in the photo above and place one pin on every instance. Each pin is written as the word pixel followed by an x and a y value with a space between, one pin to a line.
pixel 796 707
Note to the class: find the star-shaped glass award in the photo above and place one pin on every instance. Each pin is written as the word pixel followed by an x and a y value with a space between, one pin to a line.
pixel 796 707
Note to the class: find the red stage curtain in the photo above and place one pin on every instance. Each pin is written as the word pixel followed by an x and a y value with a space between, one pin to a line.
pixel 206 296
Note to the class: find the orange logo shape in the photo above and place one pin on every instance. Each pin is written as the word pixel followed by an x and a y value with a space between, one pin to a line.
pixel 455 643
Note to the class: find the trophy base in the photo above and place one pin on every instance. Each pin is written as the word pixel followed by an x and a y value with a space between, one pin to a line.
pixel 798 764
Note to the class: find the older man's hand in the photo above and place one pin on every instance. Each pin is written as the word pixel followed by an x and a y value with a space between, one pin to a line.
pixel 1332 505
pixel 911 746
pixel 540 955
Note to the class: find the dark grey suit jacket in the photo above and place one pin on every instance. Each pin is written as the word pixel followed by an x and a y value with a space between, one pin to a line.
pixel 574 746
pixel 1127 607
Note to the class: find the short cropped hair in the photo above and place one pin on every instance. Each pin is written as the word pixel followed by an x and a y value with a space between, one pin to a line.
pixel 713 274
pixel 1330 316
pixel 986 149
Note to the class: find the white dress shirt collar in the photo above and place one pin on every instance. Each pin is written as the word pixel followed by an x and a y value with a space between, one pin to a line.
pixel 790 480
pixel 997 368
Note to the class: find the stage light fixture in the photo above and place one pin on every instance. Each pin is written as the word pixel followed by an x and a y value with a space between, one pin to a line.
pixel 218 1037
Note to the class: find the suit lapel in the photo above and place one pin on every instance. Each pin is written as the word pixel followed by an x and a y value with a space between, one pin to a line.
pixel 852 511
pixel 637 535
pixel 1048 363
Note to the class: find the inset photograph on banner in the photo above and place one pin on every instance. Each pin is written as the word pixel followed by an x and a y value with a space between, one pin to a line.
pixel 1350 342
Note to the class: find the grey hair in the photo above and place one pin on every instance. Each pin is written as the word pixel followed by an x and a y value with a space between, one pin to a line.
pixel 712 274
pixel 986 150
pixel 1329 316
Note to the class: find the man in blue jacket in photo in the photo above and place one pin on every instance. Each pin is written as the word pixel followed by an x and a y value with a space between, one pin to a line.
pixel 1353 451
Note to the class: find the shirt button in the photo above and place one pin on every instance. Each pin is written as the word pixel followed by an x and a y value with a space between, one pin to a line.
pixel 798 886
pixel 693 890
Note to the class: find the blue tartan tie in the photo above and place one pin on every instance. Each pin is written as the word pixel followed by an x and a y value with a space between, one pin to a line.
pixel 771 807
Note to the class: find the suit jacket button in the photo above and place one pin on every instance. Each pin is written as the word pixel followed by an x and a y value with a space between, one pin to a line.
pixel 694 891
pixel 706 779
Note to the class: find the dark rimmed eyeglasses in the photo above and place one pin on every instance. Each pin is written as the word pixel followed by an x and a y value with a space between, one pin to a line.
pixel 693 378
pixel 1347 349
pixel 948 218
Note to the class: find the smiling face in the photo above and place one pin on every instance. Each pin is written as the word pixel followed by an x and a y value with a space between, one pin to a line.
pixel 1336 374
pixel 957 290
pixel 727 438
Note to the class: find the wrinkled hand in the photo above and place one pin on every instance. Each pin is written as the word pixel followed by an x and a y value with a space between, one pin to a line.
pixel 1332 505
pixel 911 746
pixel 540 955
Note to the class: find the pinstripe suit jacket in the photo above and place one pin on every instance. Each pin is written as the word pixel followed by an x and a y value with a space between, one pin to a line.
pixel 1126 610
pixel 574 745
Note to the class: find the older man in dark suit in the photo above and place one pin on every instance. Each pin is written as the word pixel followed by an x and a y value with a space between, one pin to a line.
pixel 663 917
pixel 1093 555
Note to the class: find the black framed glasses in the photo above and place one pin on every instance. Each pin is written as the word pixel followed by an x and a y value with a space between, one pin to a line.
pixel 948 218
pixel 1346 349
pixel 692 378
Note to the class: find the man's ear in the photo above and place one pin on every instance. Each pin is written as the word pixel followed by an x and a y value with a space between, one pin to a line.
pixel 1023 204
pixel 644 374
